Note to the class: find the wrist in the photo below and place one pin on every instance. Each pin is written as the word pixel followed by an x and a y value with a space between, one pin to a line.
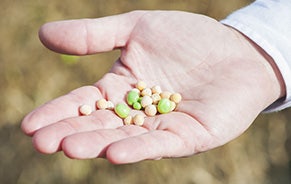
pixel 265 78
pixel 273 79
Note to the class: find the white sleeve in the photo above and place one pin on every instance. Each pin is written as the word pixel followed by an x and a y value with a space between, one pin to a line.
pixel 268 24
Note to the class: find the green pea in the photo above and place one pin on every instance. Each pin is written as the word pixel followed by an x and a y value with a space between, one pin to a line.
pixel 132 97
pixel 139 99
pixel 122 110
pixel 69 59
pixel 164 106
pixel 136 106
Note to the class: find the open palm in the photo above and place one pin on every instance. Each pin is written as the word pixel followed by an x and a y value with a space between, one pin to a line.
pixel 225 81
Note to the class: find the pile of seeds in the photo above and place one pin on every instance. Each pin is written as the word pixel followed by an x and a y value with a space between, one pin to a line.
pixel 152 101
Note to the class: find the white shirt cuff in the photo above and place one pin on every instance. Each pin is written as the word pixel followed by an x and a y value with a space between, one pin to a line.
pixel 268 24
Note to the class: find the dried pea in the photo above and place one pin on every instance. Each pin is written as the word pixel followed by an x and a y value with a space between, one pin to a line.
pixel 85 109
pixel 165 94
pixel 139 99
pixel 146 100
pixel 110 105
pixel 137 106
pixel 156 98
pixel 156 89
pixel 150 110
pixel 176 97
pixel 164 106
pixel 102 104
pixel 138 119
pixel 128 120
pixel 122 110
pixel 132 97
pixel 173 105
pixel 146 92
pixel 136 90
pixel 141 85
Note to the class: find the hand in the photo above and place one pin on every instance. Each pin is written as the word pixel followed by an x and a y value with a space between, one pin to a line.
pixel 224 78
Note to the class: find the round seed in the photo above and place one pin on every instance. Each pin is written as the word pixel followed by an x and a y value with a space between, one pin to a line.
pixel 176 97
pixel 146 100
pixel 173 105
pixel 141 85
pixel 128 120
pixel 165 94
pixel 110 105
pixel 122 110
pixel 102 104
pixel 164 106
pixel 85 110
pixel 151 110
pixel 156 98
pixel 136 90
pixel 138 119
pixel 139 99
pixel 137 105
pixel 132 97
pixel 156 89
pixel 146 92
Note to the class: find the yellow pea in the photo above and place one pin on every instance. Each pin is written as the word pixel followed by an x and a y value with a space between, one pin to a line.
pixel 138 119
pixel 156 98
pixel 176 97
pixel 165 94
pixel 173 106
pixel 156 89
pixel 151 110
pixel 146 100
pixel 146 92
pixel 101 104
pixel 110 105
pixel 85 110
pixel 141 85
pixel 136 90
pixel 128 120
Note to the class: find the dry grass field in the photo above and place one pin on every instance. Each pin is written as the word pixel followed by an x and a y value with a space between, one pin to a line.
pixel 30 75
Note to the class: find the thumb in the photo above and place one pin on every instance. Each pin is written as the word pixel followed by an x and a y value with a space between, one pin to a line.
pixel 89 36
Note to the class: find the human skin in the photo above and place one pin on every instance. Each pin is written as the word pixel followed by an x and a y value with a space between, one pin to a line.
pixel 225 81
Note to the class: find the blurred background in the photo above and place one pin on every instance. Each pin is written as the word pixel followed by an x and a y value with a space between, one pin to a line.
pixel 30 75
